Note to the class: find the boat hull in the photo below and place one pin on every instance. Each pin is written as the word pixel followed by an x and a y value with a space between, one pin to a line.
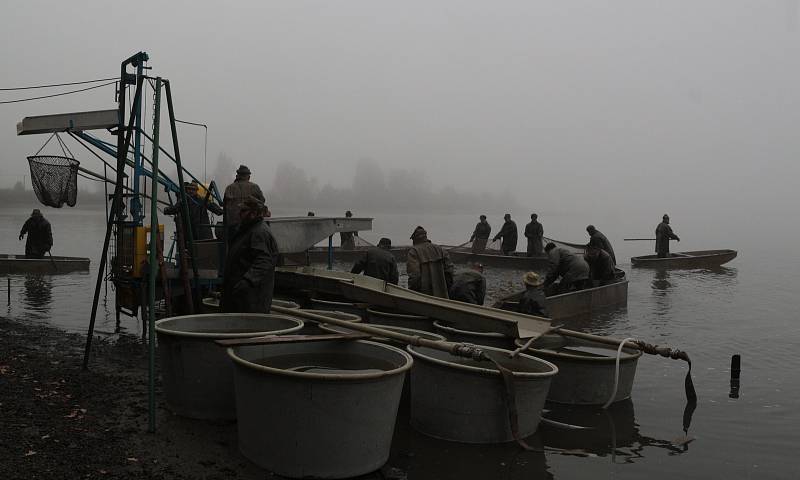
pixel 18 264
pixel 695 259
pixel 581 302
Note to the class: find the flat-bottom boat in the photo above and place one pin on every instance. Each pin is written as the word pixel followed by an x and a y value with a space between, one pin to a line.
pixel 579 302
pixel 695 259
pixel 48 265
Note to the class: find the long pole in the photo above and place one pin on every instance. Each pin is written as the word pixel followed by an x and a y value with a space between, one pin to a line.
pixel 123 140
pixel 151 318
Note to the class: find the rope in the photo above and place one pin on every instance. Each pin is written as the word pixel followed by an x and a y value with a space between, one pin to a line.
pixel 616 372
pixel 56 94
pixel 8 89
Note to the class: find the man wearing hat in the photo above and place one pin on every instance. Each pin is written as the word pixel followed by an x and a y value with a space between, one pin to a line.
pixel 235 194
pixel 469 286
pixel 664 234
pixel 533 301
pixel 249 277
pixel 534 232
pixel 508 232
pixel 378 262
pixel 596 238
pixel 429 268
pixel 40 235
pixel 198 211
pixel 481 235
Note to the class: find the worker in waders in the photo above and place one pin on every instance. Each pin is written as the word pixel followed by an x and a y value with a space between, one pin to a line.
pixel 40 235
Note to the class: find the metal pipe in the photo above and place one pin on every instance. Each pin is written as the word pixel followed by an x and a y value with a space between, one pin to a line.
pixel 184 202
pixel 153 265
pixel 330 252
pixel 122 146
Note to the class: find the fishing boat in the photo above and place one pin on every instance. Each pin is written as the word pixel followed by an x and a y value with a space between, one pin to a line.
pixel 320 254
pixel 48 265
pixel 579 302
pixel 695 259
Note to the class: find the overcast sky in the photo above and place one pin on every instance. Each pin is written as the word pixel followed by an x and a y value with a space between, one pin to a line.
pixel 567 104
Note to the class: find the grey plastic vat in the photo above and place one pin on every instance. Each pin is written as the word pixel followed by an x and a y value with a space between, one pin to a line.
pixel 196 373
pixel 463 400
pixel 318 409
pixel 585 369
pixel 491 339
pixel 405 320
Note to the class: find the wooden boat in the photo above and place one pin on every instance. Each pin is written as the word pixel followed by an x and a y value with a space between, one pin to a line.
pixel 695 259
pixel 580 302
pixel 47 265
pixel 320 254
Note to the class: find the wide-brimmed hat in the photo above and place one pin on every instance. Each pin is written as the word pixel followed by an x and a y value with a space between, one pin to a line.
pixel 418 232
pixel 532 279
pixel 243 170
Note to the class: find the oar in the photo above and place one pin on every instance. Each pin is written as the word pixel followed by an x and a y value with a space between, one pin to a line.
pixel 639 239
pixel 53 262
pixel 269 339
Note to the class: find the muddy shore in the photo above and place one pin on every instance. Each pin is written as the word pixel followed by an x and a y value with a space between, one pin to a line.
pixel 58 421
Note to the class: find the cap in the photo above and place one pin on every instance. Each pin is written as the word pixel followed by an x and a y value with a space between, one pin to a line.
pixel 35 212
pixel 243 170
pixel 384 242
pixel 590 228
pixel 549 246
pixel 532 279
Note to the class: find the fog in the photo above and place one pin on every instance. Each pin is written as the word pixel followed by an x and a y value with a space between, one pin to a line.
pixel 558 106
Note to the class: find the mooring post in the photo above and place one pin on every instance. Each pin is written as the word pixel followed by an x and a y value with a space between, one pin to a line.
pixel 736 369
pixel 330 252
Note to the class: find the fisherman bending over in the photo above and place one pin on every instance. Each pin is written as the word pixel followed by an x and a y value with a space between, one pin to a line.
pixel 572 269
pixel 250 265
pixel 469 286
pixel 597 238
pixel 378 262
pixel 601 268
pixel 429 268
pixel 40 235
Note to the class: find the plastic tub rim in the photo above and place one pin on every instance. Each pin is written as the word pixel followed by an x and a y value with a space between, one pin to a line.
pixel 487 371
pixel 206 335
pixel 628 354
pixel 329 376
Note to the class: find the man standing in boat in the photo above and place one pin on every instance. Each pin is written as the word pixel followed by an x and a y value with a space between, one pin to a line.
pixel 597 238
pixel 469 286
pixel 429 268
pixel 570 268
pixel 249 277
pixel 348 239
pixel 533 301
pixel 509 235
pixel 664 234
pixel 481 235
pixel 40 235
pixel 534 232
pixel 378 262
pixel 235 193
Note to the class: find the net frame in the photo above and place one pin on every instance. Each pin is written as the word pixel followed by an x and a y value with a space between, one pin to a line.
pixel 54 179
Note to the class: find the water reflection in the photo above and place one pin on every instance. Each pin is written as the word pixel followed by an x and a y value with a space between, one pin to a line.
pixel 613 432
pixel 37 295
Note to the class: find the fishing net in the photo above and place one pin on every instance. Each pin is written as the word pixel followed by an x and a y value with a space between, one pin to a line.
pixel 54 179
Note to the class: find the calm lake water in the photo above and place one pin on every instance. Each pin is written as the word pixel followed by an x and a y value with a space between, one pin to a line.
pixel 747 307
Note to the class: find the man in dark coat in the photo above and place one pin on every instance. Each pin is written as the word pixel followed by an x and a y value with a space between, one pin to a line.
pixel 378 262
pixel 198 212
pixel 534 232
pixel 250 265
pixel 469 286
pixel 481 235
pixel 348 239
pixel 597 238
pixel 509 235
pixel 235 193
pixel 40 235
pixel 533 300
pixel 601 267
pixel 572 269
pixel 428 265
pixel 664 234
